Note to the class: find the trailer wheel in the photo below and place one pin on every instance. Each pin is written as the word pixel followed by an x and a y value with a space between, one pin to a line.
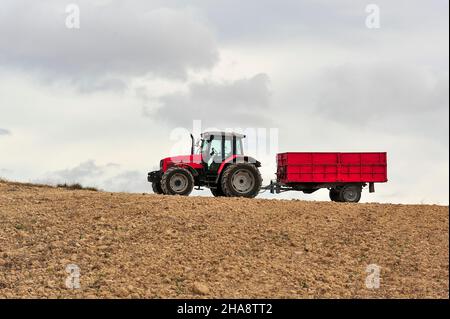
pixel 350 194
pixel 217 192
pixel 177 181
pixel 334 195
pixel 241 180
pixel 156 186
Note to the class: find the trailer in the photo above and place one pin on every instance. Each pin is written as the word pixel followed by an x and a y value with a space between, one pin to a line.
pixel 219 164
pixel 343 174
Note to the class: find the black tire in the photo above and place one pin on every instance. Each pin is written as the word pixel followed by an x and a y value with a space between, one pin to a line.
pixel 177 181
pixel 217 192
pixel 350 194
pixel 241 180
pixel 156 186
pixel 334 195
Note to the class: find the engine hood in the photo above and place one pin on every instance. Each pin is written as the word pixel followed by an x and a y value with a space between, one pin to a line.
pixel 191 160
pixel 184 159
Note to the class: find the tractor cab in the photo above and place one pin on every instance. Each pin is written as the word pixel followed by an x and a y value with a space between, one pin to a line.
pixel 216 147
pixel 218 162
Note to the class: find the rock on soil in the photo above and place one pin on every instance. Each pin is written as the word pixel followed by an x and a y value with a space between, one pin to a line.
pixel 57 243
pixel 200 289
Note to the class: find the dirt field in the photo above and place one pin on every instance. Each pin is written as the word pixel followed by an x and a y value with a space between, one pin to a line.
pixel 149 246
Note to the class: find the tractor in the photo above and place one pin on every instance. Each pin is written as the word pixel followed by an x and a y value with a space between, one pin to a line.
pixel 217 162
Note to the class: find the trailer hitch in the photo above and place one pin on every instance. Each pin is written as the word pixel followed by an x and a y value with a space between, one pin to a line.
pixel 274 187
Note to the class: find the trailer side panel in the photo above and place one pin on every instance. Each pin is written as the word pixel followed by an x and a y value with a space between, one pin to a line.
pixel 296 167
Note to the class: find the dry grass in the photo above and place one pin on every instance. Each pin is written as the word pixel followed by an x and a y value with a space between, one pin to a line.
pixel 21 184
pixel 151 246
pixel 76 186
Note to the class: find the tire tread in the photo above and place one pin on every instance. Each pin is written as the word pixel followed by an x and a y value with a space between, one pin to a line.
pixel 166 175
pixel 226 175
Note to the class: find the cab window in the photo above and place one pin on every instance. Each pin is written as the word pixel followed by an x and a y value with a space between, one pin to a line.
pixel 239 147
pixel 228 148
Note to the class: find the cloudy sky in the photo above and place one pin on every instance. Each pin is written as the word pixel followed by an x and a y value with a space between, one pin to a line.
pixel 102 103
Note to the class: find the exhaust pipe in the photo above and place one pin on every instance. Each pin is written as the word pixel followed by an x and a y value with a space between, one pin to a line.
pixel 192 145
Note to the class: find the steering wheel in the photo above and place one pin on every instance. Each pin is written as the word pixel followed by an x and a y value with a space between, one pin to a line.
pixel 213 152
pixel 215 156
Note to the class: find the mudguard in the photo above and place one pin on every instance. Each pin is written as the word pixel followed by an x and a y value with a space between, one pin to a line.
pixel 237 159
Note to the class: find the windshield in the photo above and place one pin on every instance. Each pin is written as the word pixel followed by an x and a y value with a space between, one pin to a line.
pixel 207 147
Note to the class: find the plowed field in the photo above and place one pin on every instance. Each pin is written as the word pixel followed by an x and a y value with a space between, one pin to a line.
pixel 154 246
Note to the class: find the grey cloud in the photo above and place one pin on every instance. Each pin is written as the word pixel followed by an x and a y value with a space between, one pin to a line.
pixel 109 177
pixel 128 181
pixel 395 98
pixel 241 102
pixel 115 40
pixel 322 20
pixel 108 84
pixel 4 131
pixel 274 19
pixel 78 174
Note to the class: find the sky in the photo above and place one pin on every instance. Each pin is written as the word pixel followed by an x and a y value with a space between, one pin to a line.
pixel 101 101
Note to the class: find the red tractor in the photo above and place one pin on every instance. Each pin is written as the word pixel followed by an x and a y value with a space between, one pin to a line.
pixel 218 163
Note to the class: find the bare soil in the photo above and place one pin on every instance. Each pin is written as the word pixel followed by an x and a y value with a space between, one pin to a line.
pixel 152 246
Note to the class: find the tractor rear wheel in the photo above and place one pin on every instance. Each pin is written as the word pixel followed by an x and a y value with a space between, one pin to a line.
pixel 156 186
pixel 350 194
pixel 177 181
pixel 241 180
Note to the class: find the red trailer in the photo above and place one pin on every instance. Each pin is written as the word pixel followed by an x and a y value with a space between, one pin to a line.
pixel 344 174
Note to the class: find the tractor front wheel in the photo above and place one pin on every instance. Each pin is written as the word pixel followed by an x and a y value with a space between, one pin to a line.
pixel 177 181
pixel 156 186
pixel 241 180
